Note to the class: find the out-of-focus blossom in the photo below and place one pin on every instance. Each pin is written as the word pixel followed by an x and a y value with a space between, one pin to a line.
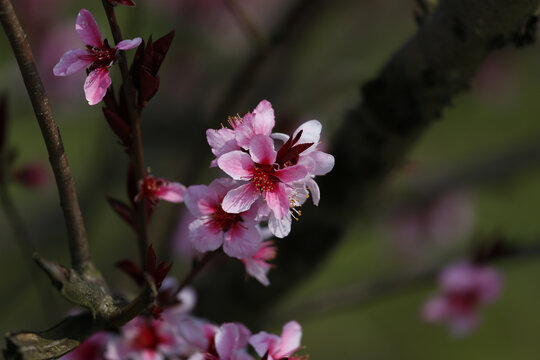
pixel 230 342
pixel 92 348
pixel 438 223
pixel 32 175
pixel 97 56
pixel 214 227
pixel 144 339
pixel 275 346
pixel 257 265
pixel 464 289
pixel 152 189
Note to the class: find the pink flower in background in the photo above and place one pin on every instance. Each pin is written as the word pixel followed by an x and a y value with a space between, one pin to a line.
pixel 278 347
pixel 98 56
pixel 465 288
pixel 153 189
pixel 32 175
pixel 257 266
pixel 214 227
pixel 92 348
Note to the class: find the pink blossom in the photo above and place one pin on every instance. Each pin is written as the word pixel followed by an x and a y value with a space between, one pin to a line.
pixel 259 122
pixel 230 342
pixel 465 288
pixel 97 56
pixel 153 189
pixel 144 339
pixel 214 227
pixel 92 348
pixel 257 266
pixel 317 162
pixel 264 176
pixel 278 347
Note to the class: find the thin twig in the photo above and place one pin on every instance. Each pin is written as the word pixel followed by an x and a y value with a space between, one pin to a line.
pixel 78 246
pixel 137 154
pixel 244 22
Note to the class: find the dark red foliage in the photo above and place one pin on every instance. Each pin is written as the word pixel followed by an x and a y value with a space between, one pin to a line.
pixel 129 3
pixel 117 117
pixel 125 211
pixel 289 152
pixel 145 67
pixel 157 271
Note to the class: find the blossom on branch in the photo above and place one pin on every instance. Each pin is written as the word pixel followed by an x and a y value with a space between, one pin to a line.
pixel 152 189
pixel 97 56
pixel 257 266
pixel 465 288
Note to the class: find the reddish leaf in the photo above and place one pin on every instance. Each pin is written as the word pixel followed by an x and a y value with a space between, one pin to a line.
pixel 159 271
pixel 131 270
pixel 161 47
pixel 148 86
pixel 126 212
pixel 151 260
pixel 120 127
pixel 129 3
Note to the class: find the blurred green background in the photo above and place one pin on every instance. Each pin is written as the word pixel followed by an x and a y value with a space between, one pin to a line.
pixel 316 74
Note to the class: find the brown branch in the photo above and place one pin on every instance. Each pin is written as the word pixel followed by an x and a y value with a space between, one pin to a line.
pixel 396 107
pixel 78 246
pixel 244 21
pixel 361 294
pixel 137 154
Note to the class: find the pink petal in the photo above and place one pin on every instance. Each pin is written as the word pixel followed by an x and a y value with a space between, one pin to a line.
pixel 311 132
pixel 172 192
pixel 435 310
pixel 314 190
pixel 229 338
pixel 129 44
pixel 257 269
pixel 278 201
pixel 87 29
pixel 490 284
pixel 263 118
pixel 240 199
pixel 241 242
pixel 292 173
pixel 280 227
pixel 290 339
pixel 202 238
pixel 201 200
pixel 237 164
pixel 96 84
pixel 263 342
pixel 222 186
pixel 262 150
pixel 221 141
pixel 324 162
pixel 244 132
pixel 72 61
